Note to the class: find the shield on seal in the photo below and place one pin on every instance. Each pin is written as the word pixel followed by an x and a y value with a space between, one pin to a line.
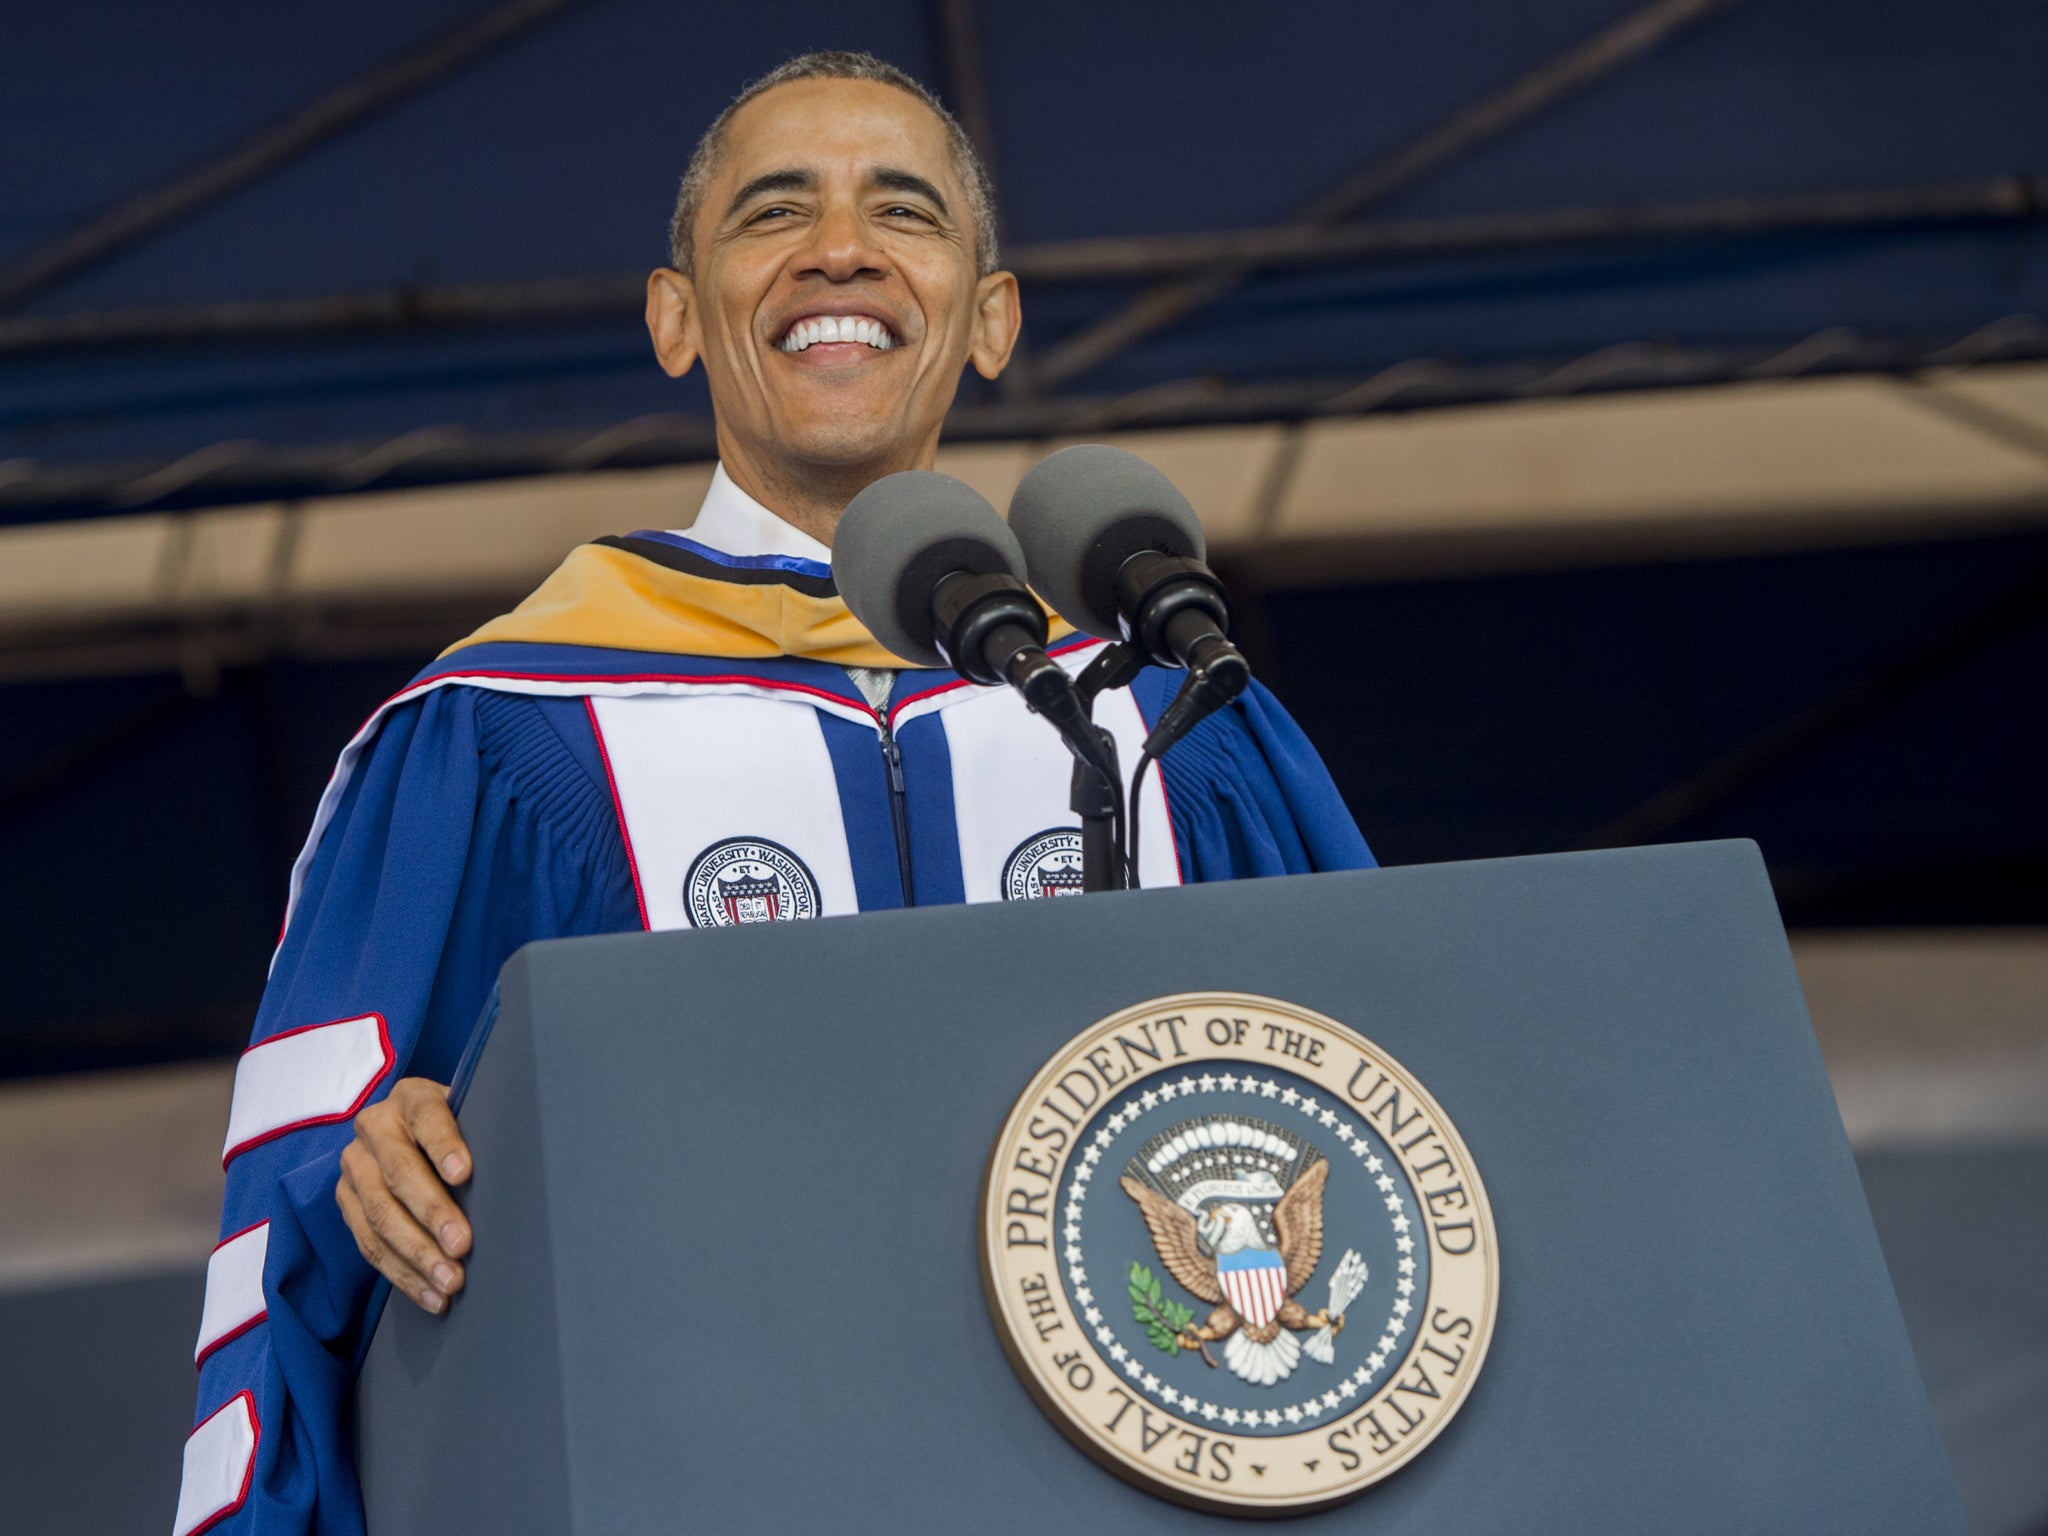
pixel 751 898
pixel 1255 1280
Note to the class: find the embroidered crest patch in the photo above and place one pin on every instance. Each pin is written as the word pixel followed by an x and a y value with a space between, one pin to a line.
pixel 1047 863
pixel 1238 1254
pixel 748 880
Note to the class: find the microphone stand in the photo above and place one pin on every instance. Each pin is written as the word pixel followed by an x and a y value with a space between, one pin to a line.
pixel 992 630
pixel 1097 800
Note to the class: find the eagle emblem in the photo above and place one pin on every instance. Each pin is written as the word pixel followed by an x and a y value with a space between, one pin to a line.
pixel 1238 1236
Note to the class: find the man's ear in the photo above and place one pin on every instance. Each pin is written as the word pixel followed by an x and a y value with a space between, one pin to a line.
pixel 998 316
pixel 672 320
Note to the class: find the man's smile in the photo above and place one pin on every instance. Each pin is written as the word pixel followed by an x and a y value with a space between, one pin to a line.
pixel 835 336
pixel 828 330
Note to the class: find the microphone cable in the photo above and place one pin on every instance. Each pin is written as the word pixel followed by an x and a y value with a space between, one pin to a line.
pixel 1145 760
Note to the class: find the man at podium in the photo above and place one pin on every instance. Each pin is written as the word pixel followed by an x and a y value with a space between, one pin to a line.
pixel 675 729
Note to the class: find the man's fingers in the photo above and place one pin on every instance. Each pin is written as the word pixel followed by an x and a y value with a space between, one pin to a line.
pixel 432 1124
pixel 394 1202
pixel 380 1255
pixel 406 1206
pixel 423 1197
pixel 393 1224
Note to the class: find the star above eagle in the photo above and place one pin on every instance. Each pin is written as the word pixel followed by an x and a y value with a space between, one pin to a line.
pixel 1223 1257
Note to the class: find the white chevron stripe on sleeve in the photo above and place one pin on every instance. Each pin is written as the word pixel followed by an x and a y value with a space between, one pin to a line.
pixel 220 1461
pixel 309 1076
pixel 234 1290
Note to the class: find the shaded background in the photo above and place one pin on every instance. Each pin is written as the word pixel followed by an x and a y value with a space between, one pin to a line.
pixel 1618 423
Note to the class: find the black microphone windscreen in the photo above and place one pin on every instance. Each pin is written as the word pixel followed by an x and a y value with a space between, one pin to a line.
pixel 1082 512
pixel 903 535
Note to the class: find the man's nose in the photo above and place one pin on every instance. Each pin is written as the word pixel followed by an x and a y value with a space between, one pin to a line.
pixel 841 248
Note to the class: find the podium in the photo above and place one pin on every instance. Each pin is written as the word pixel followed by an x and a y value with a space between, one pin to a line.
pixel 728 1194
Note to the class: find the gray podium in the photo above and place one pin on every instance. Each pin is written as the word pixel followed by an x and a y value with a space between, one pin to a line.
pixel 725 1275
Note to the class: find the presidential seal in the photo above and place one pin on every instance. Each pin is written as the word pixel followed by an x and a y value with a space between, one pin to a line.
pixel 748 880
pixel 1238 1254
pixel 1047 863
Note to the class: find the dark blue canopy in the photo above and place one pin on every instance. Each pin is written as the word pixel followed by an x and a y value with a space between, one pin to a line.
pixel 554 155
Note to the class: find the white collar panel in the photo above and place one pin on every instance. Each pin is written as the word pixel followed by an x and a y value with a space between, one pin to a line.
pixel 733 523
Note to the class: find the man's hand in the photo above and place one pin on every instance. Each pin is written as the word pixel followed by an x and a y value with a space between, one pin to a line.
pixel 394 1200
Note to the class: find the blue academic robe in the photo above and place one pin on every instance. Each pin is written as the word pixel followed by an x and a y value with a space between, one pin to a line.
pixel 479 811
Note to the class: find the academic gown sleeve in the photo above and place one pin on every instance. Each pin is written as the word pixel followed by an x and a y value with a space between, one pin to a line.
pixel 1248 794
pixel 476 822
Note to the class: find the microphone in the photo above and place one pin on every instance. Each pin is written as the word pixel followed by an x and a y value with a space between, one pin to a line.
pixel 929 567
pixel 1116 548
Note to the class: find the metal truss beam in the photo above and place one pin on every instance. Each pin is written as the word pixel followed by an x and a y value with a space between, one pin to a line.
pixel 1997 200
pixel 1555 80
pixel 1994 200
pixel 964 75
pixel 241 471
pixel 134 218
pixel 964 85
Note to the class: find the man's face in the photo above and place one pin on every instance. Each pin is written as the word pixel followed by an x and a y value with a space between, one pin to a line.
pixel 835 299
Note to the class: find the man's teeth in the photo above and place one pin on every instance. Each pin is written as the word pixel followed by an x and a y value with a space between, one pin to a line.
pixel 808 333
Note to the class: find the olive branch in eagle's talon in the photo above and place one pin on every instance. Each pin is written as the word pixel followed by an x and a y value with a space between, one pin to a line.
pixel 1164 1320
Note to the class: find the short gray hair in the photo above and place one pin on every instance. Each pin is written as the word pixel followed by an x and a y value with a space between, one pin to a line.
pixel 834 65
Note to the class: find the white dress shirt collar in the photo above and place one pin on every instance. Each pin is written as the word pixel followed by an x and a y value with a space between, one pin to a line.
pixel 733 523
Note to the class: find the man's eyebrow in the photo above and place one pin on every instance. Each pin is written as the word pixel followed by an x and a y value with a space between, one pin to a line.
pixel 773 181
pixel 890 180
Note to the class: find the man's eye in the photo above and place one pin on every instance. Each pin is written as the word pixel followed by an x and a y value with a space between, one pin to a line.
pixel 904 210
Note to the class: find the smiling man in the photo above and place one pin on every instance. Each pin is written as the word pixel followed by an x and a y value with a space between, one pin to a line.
pixel 835 269
pixel 675 730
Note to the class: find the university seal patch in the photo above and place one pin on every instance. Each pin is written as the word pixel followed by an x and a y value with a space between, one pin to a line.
pixel 1047 863
pixel 1238 1254
pixel 748 880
